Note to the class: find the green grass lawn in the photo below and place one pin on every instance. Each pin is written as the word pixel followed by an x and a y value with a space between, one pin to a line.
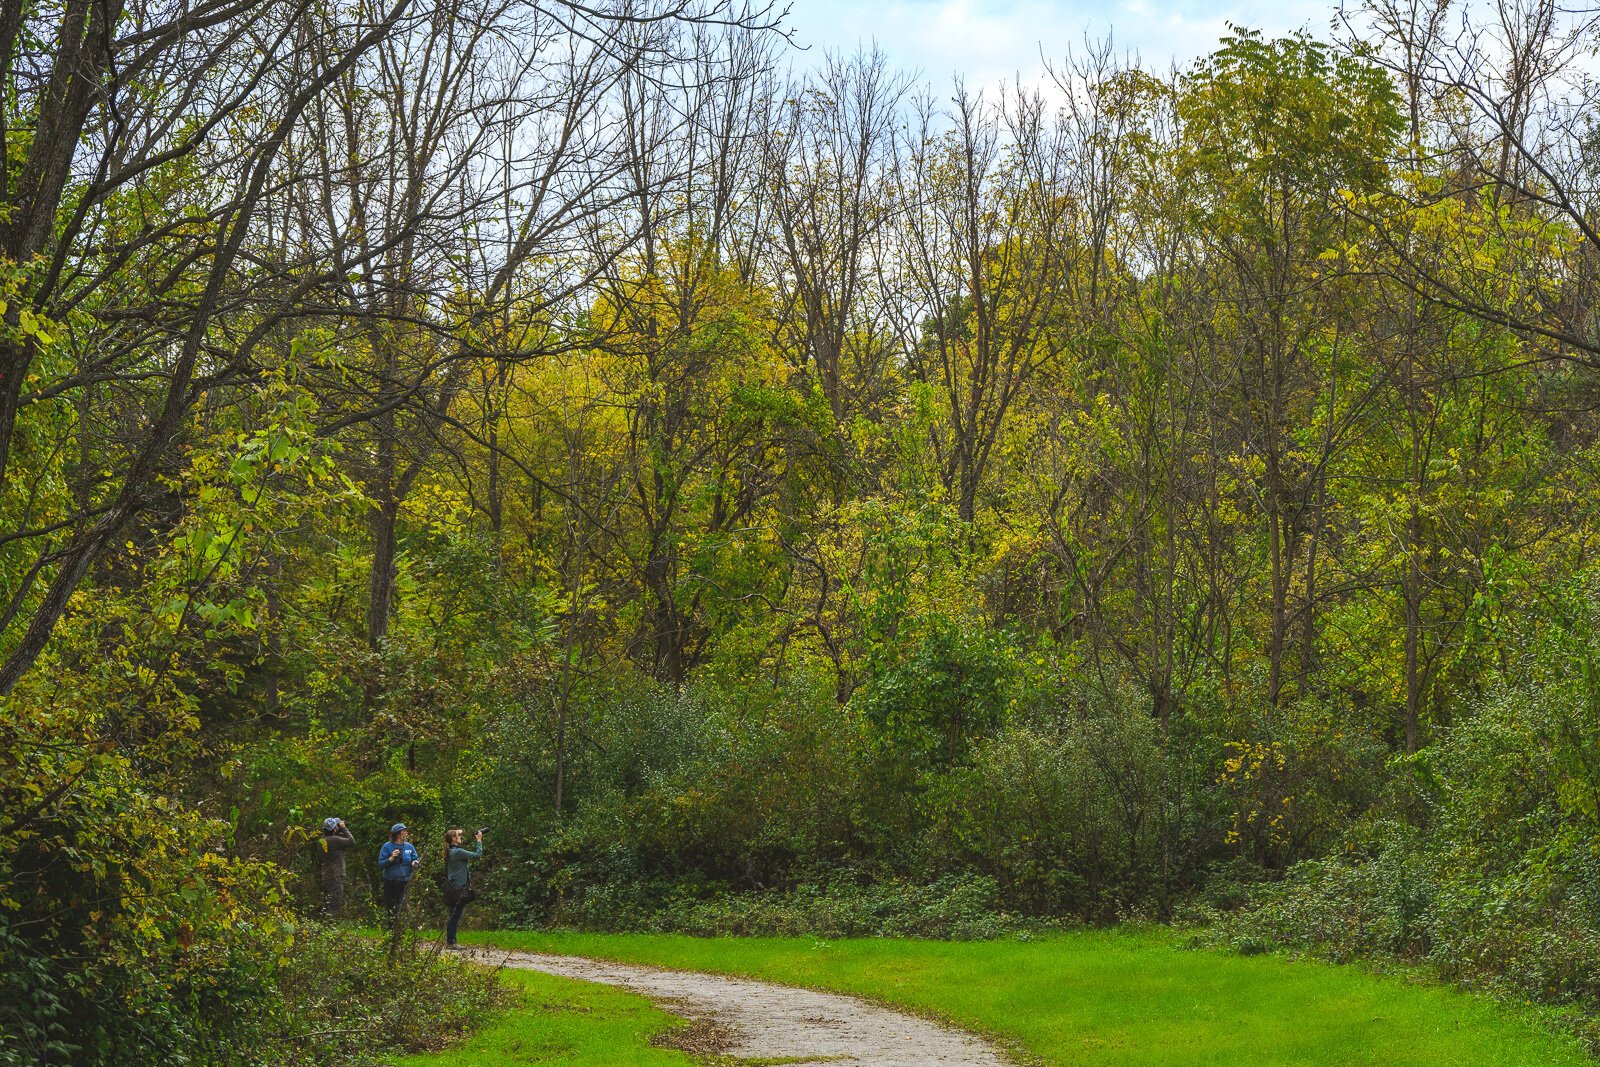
pixel 556 1021
pixel 1107 999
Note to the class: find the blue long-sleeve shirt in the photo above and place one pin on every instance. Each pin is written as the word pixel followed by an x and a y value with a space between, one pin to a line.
pixel 395 861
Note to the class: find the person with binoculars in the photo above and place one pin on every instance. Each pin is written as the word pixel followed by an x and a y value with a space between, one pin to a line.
pixel 399 860
pixel 458 875
pixel 336 839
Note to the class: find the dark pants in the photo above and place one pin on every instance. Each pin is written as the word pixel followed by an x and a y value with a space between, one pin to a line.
pixel 394 899
pixel 455 916
pixel 332 896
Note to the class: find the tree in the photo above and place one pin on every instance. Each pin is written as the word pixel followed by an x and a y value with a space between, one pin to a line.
pixel 1274 133
pixel 828 165
pixel 150 250
pixel 201 101
pixel 981 253
pixel 1522 138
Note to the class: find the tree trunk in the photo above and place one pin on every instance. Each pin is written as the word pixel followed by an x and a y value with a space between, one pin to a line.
pixel 1413 598
pixel 966 483
pixel 669 642
pixel 496 509
pixel 380 599
pixel 1278 630
pixel 30 205
pixel 1308 626
pixel 70 570
pixel 492 413
pixel 14 362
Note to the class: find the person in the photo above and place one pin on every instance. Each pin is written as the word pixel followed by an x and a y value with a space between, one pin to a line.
pixel 336 838
pixel 398 860
pixel 457 876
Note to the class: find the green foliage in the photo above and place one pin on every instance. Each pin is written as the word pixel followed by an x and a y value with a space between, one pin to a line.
pixel 1076 515
pixel 668 793
pixel 1294 777
pixel 1484 867
pixel 949 689
pixel 1093 818
pixel 125 932
pixel 1274 128
pixel 964 907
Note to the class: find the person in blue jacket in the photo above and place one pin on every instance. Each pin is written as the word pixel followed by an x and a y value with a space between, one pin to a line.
pixel 398 861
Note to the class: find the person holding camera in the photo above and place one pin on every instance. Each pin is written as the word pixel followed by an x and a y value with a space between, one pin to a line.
pixel 457 878
pixel 336 838
pixel 398 859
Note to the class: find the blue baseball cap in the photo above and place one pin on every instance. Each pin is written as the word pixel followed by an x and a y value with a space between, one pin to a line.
pixel 396 828
pixel 330 824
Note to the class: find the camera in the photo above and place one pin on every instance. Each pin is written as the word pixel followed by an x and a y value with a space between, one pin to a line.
pixel 483 829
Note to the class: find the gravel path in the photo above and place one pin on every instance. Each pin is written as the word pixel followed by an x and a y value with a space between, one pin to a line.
pixel 761 1020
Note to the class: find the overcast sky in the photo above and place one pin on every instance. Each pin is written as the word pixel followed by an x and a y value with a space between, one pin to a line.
pixel 993 40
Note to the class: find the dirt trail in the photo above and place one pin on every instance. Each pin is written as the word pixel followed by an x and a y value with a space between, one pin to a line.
pixel 766 1021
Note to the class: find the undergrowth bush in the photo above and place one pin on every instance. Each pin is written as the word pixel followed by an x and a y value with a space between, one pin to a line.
pixel 1082 808
pixel 346 1000
pixel 1483 862
pixel 1089 817
pixel 958 907
pixel 127 934
pixel 131 932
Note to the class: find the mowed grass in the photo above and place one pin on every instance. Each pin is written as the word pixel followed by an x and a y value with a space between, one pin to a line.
pixel 1106 999
pixel 556 1021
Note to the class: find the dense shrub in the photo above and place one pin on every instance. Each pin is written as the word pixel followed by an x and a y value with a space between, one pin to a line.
pixel 346 1000
pixel 128 934
pixel 1492 877
pixel 1353 906
pixel 1080 807
pixel 1293 778
pixel 666 789
pixel 958 907
pixel 1090 818
pixel 949 689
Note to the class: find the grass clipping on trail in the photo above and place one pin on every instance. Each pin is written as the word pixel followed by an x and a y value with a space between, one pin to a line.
pixel 699 1037
pixel 712 1043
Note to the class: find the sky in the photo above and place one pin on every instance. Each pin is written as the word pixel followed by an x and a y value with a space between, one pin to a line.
pixel 989 41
